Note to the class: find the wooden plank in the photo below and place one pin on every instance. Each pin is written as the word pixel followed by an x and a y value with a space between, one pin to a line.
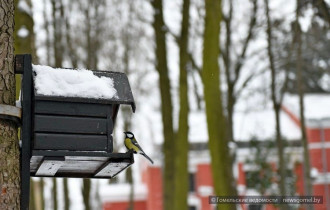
pixel 50 166
pixel 115 110
pixel 64 124
pixel 85 166
pixel 72 168
pixel 51 141
pixel 69 108
pixel 112 169
pixel 82 158
pixel 72 165
pixel 110 129
pixel 128 156
pixel 81 166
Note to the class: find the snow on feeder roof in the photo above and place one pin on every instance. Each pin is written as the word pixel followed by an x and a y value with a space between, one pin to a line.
pixel 68 83
pixel 81 85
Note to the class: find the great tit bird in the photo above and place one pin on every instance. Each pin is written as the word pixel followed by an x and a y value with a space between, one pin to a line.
pixel 132 144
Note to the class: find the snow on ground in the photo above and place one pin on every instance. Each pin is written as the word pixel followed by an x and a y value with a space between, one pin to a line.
pixel 72 83
pixel 120 192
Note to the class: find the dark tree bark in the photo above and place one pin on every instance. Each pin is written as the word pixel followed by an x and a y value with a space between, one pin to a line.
pixel 57 13
pixel 54 194
pixel 32 204
pixel 220 159
pixel 166 104
pixel 48 43
pixel 42 197
pixel 86 193
pixel 182 144
pixel 323 8
pixel 9 149
pixel 66 194
pixel 70 45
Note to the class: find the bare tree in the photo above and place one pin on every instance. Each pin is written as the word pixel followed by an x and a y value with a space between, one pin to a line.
pixel 182 143
pixel 218 145
pixel 166 107
pixel 300 85
pixel 9 148
pixel 277 98
pixel 233 68
pixel 323 9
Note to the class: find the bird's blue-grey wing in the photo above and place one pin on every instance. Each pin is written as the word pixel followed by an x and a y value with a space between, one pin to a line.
pixel 135 143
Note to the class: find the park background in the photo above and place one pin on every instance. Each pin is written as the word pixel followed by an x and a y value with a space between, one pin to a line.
pixel 207 74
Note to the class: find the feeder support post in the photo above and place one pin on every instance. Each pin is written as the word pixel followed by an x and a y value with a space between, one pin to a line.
pixel 23 65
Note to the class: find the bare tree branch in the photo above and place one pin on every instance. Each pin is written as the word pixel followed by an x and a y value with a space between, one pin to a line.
pixel 226 54
pixel 252 24
pixel 194 64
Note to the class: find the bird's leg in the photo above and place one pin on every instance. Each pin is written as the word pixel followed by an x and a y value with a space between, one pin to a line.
pixel 131 151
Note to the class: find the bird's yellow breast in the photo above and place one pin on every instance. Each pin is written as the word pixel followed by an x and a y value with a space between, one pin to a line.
pixel 130 145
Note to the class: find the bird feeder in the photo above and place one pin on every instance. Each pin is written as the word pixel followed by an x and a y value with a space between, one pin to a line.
pixel 69 136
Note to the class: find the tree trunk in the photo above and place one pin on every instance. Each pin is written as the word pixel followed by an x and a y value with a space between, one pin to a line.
pixel 182 144
pixel 276 106
pixel 9 149
pixel 166 107
pixel 66 194
pixel 86 193
pixel 323 7
pixel 54 194
pixel 300 85
pixel 42 197
pixel 46 27
pixel 57 13
pixel 32 204
pixel 220 159
pixel 231 101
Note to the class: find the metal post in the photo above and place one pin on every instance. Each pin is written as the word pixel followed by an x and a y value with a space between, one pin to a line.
pixel 26 129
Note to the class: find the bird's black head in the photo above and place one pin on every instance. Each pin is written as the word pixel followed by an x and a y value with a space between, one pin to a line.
pixel 129 134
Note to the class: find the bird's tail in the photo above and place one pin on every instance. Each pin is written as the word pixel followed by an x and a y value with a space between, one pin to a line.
pixel 146 156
